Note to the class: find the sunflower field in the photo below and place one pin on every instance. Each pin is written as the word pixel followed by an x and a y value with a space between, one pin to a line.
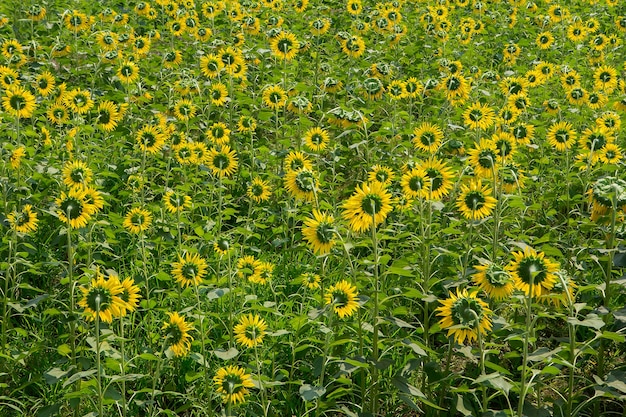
pixel 313 208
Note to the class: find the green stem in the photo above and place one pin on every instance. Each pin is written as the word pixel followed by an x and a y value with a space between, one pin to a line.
pixel 374 369
pixel 98 367
pixel 523 387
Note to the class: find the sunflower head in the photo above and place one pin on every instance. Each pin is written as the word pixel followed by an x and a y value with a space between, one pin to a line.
pixel 464 316
pixel 342 298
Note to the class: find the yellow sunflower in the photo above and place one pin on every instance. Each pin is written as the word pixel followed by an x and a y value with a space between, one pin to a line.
pixel 479 116
pixel 310 280
pixel 184 109
pixel 494 280
pixel 233 384
pixel 73 208
pixel 368 206
pixel 250 330
pixel 218 94
pixel 19 102
pixel 427 137
pixel 561 136
pixel 150 139
pixel 484 158
pixel 382 174
pixel 532 272
pixel 23 220
pixel 316 139
pixel 342 298
pixel 128 72
pixel 296 160
pixel 177 334
pixel 259 190
pixel 45 83
pixel 319 232
pixel 222 162
pixel 16 157
pixel 415 184
pixel 247 266
pixel 176 201
pixel 440 178
pixel 137 220
pixel 464 315
pixel 102 299
pixel 262 273
pixel 475 201
pixel 285 45
pixel 274 97
pixel 189 270
pixel 130 294
pixel 76 174
pixel 302 183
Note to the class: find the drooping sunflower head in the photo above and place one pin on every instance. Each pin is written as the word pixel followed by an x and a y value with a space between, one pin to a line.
pixel 246 266
pixel 176 201
pixel 532 272
pixel 222 162
pixel 464 315
pixel 342 298
pixel 494 280
pixel 76 174
pixel 130 294
pixel 302 184
pixel 320 232
pixel 310 280
pixel 73 208
pixel 427 137
pixel 316 139
pixel 381 173
pixel 368 206
pixel 177 333
pixel 233 384
pixel 475 200
pixel 23 220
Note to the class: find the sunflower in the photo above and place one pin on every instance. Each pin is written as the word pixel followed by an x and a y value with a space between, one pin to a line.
pixel 611 121
pixel 211 65
pixel 218 133
pixel 494 280
pixel 9 77
pixel 544 40
pixel 172 59
pixel 250 330
pixel 456 87
pixel 93 199
pixel 218 93
pixel 611 154
pixel 259 190
pixel 319 26
pixel 310 280
pixel 108 116
pixel 128 72
pixel 316 139
pixel 563 291
pixel 354 46
pixel 222 162
pixel 396 90
pixel 513 177
pixel 19 102
pixel 233 384
pixel 274 97
pixel 484 158
pixel 73 208
pixel 177 334
pixel 427 137
pixel 479 116
pixel 605 194
pixel 595 138
pixel 523 133
pixel 475 201
pixel 296 160
pixel 440 177
pixel 184 109
pixel 23 220
pixel 102 299
pixel 137 220
pixel 382 174
pixel 532 272
pixel 189 270
pixel 79 101
pixel 45 83
pixel 415 183
pixel 319 232
pixel 247 266
pixel 368 206
pixel 331 85
pixel 16 157
pixel 342 298
pixel 605 79
pixel 76 174
pixel 465 316
pixel 150 139
pixel 561 136
pixel 505 144
pixel 76 21
pixel 301 183
pixel 262 273
pixel 577 32
pixel 176 202
pixel 130 294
